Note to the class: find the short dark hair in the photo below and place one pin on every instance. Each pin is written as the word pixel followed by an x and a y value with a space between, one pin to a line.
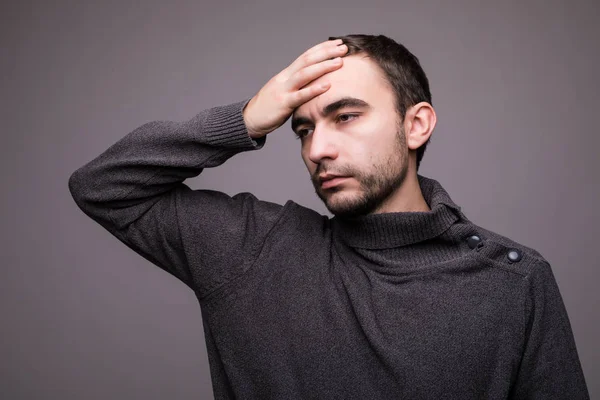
pixel 401 68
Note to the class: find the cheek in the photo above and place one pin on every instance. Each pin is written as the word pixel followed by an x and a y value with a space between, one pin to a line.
pixel 361 157
pixel 373 129
pixel 369 154
pixel 378 138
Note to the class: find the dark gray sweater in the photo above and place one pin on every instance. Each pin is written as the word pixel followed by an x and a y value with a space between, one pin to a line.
pixel 296 305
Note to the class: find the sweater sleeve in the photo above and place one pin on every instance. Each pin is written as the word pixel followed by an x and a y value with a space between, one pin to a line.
pixel 550 366
pixel 135 190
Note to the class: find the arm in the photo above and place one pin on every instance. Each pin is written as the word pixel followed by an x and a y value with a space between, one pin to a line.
pixel 550 367
pixel 205 238
pixel 134 190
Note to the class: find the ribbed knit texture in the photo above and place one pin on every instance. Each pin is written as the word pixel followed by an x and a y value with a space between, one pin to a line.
pixel 381 231
pixel 296 305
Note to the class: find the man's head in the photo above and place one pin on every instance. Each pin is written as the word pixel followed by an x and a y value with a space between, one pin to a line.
pixel 400 67
pixel 371 126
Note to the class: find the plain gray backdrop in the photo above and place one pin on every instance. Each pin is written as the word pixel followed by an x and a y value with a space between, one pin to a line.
pixel 516 91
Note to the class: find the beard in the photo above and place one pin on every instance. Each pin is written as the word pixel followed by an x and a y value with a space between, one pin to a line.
pixel 375 185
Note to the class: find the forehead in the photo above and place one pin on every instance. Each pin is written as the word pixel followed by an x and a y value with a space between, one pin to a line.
pixel 358 77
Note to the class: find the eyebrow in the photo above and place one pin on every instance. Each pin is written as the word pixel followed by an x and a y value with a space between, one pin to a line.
pixel 331 108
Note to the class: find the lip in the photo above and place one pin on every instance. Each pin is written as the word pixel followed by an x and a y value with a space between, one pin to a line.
pixel 334 181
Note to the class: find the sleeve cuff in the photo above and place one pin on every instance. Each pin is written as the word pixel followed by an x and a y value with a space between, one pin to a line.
pixel 224 127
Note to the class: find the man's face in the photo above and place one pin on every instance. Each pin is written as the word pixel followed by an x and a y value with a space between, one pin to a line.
pixel 362 141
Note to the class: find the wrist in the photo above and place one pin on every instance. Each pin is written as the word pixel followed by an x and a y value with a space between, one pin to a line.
pixel 253 133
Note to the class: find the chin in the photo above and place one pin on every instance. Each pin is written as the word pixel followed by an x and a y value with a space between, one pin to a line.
pixel 346 204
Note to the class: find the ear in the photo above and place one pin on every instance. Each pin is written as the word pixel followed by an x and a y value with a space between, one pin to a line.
pixel 419 123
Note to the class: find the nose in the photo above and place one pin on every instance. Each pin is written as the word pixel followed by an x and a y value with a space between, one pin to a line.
pixel 322 145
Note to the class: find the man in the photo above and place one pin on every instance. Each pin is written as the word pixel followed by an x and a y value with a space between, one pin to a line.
pixel 398 295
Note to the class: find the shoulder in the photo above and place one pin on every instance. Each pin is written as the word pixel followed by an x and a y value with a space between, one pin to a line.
pixel 506 253
pixel 299 217
pixel 300 227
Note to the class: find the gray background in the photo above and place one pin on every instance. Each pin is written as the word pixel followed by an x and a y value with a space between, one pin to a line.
pixel 516 90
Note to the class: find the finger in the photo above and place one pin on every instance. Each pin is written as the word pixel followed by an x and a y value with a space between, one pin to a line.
pixel 324 44
pixel 318 54
pixel 330 49
pixel 312 72
pixel 301 96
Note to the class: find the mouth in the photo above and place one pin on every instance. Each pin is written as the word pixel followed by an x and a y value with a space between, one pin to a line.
pixel 333 181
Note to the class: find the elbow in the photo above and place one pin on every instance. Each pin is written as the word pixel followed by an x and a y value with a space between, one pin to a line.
pixel 76 186
pixel 80 189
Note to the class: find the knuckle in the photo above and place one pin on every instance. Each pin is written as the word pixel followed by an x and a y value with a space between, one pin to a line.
pixel 306 58
pixel 279 79
pixel 296 98
pixel 302 74
pixel 279 98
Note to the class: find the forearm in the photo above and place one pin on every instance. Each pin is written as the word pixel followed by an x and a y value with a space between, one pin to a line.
pixel 154 158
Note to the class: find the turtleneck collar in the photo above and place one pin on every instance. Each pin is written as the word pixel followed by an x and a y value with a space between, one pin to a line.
pixel 387 230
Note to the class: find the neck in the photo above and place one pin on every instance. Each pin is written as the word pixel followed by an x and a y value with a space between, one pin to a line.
pixel 387 229
pixel 407 198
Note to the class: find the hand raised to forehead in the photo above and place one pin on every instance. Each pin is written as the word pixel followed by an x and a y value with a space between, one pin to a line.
pixel 292 87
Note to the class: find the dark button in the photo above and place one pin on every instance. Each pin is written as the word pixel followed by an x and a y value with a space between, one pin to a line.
pixel 514 255
pixel 473 241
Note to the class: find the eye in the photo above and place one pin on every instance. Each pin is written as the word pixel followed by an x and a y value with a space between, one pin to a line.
pixel 346 117
pixel 300 133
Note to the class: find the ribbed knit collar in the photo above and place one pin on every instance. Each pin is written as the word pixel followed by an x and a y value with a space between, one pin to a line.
pixel 387 230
